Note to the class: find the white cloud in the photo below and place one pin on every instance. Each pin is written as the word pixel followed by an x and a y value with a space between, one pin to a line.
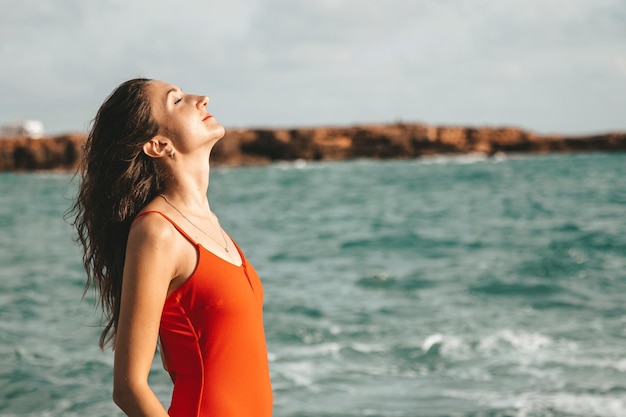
pixel 620 64
pixel 286 62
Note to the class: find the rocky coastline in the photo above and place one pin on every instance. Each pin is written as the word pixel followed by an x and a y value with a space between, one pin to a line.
pixel 391 141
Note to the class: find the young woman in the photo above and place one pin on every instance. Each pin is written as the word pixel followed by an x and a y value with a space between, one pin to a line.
pixel 163 267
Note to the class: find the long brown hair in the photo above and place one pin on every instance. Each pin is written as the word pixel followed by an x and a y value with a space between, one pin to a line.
pixel 117 180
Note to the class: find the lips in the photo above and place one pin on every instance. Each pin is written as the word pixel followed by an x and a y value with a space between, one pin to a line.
pixel 208 116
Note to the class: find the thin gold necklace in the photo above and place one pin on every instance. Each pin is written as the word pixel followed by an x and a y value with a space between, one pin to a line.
pixel 225 246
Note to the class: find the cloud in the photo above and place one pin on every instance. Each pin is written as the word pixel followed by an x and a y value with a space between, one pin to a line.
pixel 283 62
pixel 620 64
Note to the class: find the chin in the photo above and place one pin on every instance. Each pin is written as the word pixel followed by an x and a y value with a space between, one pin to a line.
pixel 219 131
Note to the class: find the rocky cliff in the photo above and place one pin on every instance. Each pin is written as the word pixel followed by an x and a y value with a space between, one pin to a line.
pixel 260 146
pixel 27 154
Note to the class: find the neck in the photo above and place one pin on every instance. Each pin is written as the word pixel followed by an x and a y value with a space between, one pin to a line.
pixel 189 188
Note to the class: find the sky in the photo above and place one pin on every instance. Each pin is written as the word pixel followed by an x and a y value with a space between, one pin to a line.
pixel 549 66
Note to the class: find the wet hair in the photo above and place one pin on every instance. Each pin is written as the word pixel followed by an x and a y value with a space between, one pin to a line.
pixel 117 181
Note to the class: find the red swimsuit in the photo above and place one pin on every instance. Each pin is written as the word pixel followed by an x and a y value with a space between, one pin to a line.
pixel 213 340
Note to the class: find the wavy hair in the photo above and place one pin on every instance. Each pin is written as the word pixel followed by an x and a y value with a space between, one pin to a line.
pixel 117 180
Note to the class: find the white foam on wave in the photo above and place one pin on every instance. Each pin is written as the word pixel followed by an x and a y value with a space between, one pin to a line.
pixel 449 345
pixel 432 340
pixel 330 348
pixel 579 405
pixel 369 347
pixel 300 373
pixel 294 164
pixel 505 341
pixel 532 404
pixel 520 340
pixel 589 405
pixel 335 330
pixel 611 364
pixel 309 351
pixel 470 158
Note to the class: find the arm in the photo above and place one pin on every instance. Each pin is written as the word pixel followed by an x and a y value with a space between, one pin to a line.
pixel 148 271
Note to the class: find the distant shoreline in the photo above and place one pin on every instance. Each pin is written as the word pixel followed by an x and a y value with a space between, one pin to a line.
pixel 379 141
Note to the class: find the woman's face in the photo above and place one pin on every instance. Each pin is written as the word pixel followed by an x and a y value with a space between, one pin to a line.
pixel 182 117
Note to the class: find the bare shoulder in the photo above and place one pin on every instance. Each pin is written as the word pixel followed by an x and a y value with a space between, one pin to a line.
pixel 154 244
pixel 151 228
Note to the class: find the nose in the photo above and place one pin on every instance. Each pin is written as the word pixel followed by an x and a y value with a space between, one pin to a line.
pixel 202 101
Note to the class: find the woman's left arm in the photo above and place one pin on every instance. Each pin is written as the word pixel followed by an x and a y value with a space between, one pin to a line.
pixel 148 271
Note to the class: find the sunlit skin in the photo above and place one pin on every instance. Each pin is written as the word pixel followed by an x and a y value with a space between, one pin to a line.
pixel 158 258
pixel 183 117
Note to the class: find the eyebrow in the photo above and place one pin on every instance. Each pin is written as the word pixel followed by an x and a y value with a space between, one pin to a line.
pixel 172 90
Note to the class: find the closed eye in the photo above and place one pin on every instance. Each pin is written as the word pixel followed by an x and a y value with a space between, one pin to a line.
pixel 178 100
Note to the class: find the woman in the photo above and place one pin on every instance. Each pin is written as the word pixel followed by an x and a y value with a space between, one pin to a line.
pixel 163 266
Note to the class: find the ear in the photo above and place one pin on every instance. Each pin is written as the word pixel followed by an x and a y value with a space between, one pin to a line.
pixel 158 147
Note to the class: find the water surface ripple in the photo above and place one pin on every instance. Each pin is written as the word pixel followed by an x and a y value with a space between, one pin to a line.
pixel 463 287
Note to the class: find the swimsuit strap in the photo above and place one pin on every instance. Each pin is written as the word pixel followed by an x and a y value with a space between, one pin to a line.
pixel 180 230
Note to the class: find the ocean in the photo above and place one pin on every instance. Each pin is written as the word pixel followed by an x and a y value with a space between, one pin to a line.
pixel 446 286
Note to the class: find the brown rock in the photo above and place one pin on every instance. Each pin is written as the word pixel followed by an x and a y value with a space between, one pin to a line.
pixel 27 154
pixel 262 146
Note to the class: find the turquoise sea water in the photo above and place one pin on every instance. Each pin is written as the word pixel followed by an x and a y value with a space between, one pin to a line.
pixel 437 287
